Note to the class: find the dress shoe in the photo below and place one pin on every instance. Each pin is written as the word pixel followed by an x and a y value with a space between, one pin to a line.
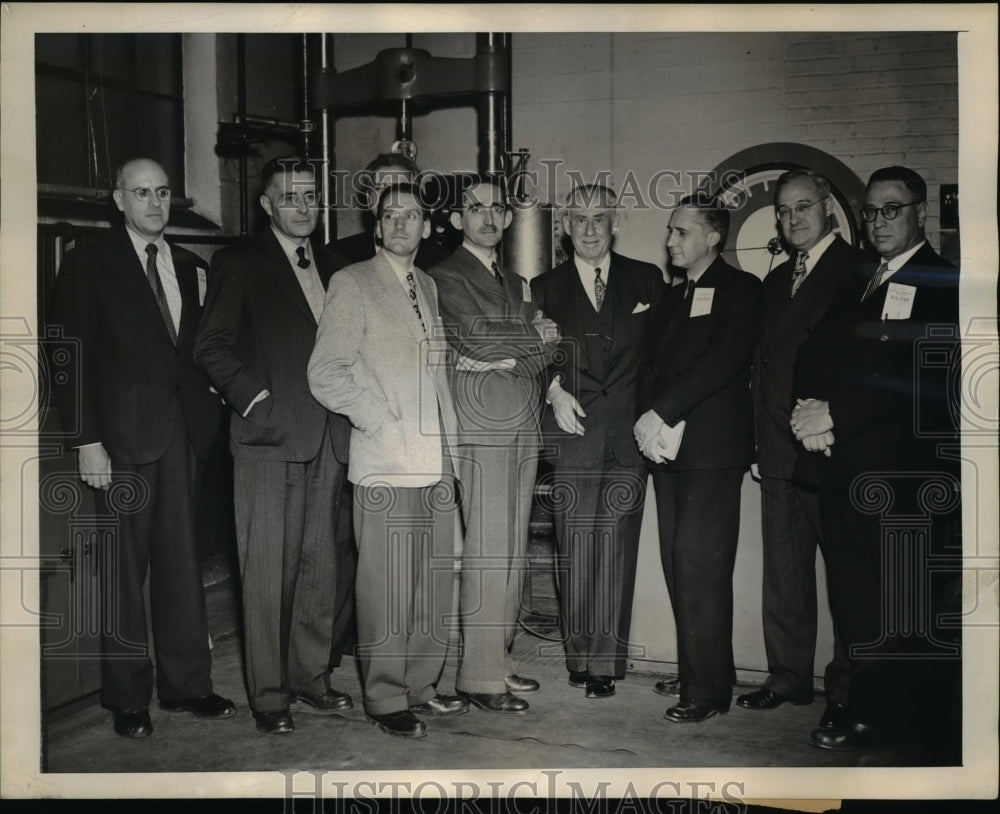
pixel 517 684
pixel 274 723
pixel 133 722
pixel 578 678
pixel 845 737
pixel 402 724
pixel 497 702
pixel 442 706
pixel 765 699
pixel 208 706
pixel 835 715
pixel 669 687
pixel 693 712
pixel 600 687
pixel 329 701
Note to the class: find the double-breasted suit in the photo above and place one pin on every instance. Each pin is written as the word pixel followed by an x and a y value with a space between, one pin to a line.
pixel 289 467
pixel 499 413
pixel 700 374
pixel 889 496
pixel 789 511
pixel 599 479
pixel 376 364
pixel 133 390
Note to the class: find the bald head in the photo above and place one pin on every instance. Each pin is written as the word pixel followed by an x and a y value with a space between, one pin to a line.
pixel 142 194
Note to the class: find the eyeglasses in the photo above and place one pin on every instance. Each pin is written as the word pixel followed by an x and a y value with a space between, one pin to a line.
pixel 785 212
pixel 143 194
pixel 889 211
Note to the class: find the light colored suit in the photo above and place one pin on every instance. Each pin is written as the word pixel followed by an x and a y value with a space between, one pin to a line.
pixel 374 363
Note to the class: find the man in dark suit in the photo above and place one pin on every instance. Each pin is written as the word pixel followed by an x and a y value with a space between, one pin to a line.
pixel 382 171
pixel 601 302
pixel 264 303
pixel 796 295
pixel 873 410
pixel 503 348
pixel 705 332
pixel 145 416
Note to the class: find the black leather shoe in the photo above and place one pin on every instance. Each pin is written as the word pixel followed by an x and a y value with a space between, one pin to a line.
pixel 274 723
pixel 329 701
pixel 442 706
pixel 765 699
pixel 835 715
pixel 400 724
pixel 515 683
pixel 497 702
pixel 600 687
pixel 693 712
pixel 208 706
pixel 844 738
pixel 133 722
pixel 670 687
pixel 578 678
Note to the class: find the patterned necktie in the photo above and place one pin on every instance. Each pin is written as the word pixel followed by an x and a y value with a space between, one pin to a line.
pixel 161 300
pixel 799 274
pixel 413 298
pixel 303 260
pixel 599 288
pixel 875 281
pixel 497 274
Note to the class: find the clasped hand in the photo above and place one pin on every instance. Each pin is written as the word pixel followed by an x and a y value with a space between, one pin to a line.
pixel 812 425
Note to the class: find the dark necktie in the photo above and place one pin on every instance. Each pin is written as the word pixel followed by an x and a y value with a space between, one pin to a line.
pixel 161 300
pixel 497 274
pixel 689 289
pixel 413 299
pixel 799 274
pixel 303 260
pixel 875 281
pixel 599 288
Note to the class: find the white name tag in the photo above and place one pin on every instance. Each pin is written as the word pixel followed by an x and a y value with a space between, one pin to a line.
pixel 898 301
pixel 525 291
pixel 701 301
pixel 202 284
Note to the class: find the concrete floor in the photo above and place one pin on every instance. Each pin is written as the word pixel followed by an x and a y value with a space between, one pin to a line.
pixel 562 728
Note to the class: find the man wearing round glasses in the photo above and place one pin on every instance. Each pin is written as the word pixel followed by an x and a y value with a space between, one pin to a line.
pixel 796 295
pixel 875 409
pixel 144 418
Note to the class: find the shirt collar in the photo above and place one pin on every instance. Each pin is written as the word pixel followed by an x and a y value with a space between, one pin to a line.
pixel 816 252
pixel 901 260
pixel 586 268
pixel 290 246
pixel 696 277
pixel 397 264
pixel 487 259
pixel 140 243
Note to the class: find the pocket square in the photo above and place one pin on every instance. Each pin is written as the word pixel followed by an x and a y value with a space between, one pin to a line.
pixel 640 307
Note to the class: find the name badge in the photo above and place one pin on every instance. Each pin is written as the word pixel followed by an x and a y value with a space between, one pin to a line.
pixel 701 301
pixel 525 291
pixel 202 284
pixel 898 301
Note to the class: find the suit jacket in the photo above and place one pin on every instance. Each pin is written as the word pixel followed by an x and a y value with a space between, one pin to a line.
pixel 634 289
pixel 889 385
pixel 374 363
pixel 257 333
pixel 786 323
pixel 701 369
pixel 127 383
pixel 487 322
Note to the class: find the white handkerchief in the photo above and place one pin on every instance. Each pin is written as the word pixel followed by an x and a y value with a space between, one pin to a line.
pixel 669 440
pixel 640 307
pixel 701 302
pixel 898 301
pixel 202 284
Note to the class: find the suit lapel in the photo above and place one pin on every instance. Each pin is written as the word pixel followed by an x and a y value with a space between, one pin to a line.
pixel 187 282
pixel 398 300
pixel 275 262
pixel 126 267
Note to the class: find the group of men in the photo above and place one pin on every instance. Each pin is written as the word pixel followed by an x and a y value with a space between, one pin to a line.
pixel 435 392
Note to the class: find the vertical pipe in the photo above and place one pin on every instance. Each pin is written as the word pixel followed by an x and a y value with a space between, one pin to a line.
pixel 304 111
pixel 327 135
pixel 241 112
pixel 491 158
